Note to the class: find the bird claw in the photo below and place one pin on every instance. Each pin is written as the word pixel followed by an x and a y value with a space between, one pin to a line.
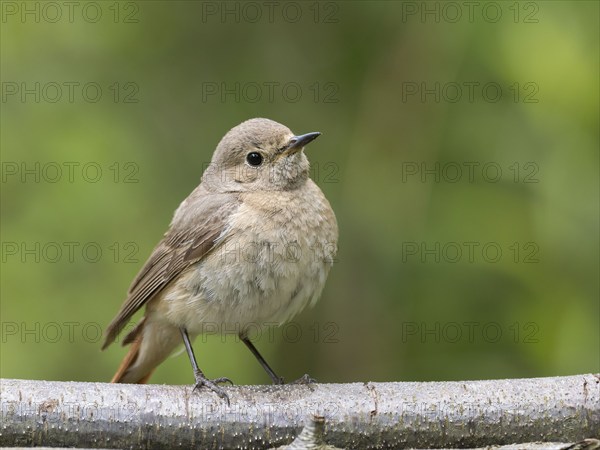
pixel 304 379
pixel 278 381
pixel 222 380
pixel 213 385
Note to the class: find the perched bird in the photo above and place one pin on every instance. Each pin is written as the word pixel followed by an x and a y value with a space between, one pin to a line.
pixel 252 244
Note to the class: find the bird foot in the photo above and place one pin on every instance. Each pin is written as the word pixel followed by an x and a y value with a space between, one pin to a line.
pixel 213 385
pixel 278 381
pixel 304 379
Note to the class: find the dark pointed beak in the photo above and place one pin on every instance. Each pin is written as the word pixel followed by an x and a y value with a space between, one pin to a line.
pixel 297 142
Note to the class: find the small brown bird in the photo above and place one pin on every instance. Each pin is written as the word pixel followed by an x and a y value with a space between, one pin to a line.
pixel 251 245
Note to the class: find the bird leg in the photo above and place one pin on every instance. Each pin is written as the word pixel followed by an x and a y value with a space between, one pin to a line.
pixel 305 379
pixel 201 379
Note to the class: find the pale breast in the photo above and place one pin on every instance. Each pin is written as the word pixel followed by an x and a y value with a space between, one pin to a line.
pixel 272 262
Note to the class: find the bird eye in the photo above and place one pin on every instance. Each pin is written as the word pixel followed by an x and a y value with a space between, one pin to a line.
pixel 254 159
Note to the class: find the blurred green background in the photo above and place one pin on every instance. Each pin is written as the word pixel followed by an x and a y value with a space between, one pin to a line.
pixel 449 134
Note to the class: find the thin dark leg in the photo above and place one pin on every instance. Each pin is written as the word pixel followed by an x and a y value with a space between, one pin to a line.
pixel 190 351
pixel 201 379
pixel 261 360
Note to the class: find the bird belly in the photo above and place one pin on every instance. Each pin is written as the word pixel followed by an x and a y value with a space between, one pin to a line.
pixel 249 280
pixel 232 296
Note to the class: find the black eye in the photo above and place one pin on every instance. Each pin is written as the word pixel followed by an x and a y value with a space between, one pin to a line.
pixel 254 159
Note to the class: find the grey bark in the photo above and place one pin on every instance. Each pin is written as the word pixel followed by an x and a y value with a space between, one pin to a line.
pixel 357 415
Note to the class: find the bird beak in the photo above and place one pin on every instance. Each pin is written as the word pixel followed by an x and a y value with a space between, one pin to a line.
pixel 298 142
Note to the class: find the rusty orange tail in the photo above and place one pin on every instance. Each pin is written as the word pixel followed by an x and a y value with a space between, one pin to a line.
pixel 127 363
pixel 151 343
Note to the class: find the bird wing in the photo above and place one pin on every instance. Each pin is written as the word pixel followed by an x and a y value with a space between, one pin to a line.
pixel 187 241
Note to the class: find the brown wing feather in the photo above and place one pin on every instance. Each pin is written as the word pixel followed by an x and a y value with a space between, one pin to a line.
pixel 190 237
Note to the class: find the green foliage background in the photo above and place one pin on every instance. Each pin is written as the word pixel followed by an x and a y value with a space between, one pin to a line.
pixel 377 295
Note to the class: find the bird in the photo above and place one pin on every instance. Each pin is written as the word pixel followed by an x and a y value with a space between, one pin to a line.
pixel 252 244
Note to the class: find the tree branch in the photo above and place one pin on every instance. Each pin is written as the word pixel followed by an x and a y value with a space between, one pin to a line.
pixel 357 415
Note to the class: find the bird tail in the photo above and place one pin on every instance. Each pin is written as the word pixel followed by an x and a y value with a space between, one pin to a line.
pixel 151 343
